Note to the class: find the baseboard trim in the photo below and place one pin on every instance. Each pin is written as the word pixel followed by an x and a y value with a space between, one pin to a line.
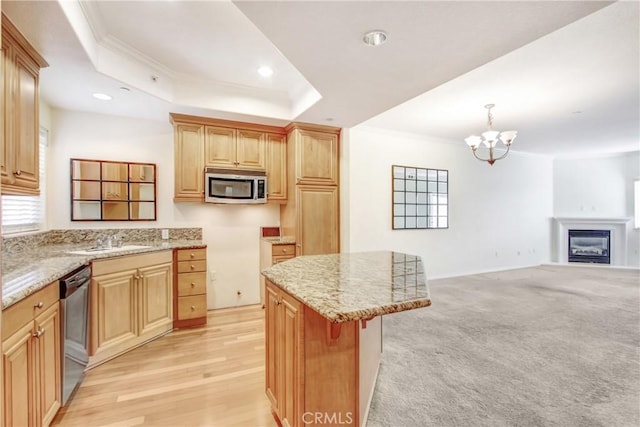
pixel 591 265
pixel 490 270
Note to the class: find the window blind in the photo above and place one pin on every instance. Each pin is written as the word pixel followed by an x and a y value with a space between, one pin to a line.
pixel 27 213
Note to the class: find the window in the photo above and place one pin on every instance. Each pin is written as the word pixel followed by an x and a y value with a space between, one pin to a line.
pixel 27 213
pixel 636 200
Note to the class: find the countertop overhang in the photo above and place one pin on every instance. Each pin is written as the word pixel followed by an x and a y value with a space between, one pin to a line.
pixel 354 286
pixel 25 272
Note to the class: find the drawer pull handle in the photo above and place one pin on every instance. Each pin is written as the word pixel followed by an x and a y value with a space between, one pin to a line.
pixel 38 333
pixel 193 308
pixel 39 305
pixel 193 284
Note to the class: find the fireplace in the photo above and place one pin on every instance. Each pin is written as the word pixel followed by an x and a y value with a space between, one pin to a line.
pixel 592 246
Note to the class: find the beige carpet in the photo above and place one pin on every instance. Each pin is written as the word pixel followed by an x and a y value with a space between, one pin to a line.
pixel 544 346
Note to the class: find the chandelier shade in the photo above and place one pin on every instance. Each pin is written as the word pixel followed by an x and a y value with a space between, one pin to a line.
pixel 490 139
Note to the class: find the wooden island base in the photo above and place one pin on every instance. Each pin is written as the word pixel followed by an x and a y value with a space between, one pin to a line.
pixel 318 372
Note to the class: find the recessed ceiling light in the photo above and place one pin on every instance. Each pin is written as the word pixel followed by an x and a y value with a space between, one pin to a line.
pixel 125 89
pixel 329 119
pixel 102 96
pixel 265 71
pixel 374 38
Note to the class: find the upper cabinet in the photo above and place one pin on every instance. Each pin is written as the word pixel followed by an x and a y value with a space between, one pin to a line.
pixel 201 142
pixel 316 161
pixel 20 125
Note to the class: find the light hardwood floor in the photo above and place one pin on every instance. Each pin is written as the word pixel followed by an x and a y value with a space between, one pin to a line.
pixel 210 376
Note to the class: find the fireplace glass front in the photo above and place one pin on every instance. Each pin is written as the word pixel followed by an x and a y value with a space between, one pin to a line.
pixel 592 246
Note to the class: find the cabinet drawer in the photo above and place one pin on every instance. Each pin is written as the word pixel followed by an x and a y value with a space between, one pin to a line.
pixel 192 266
pixel 191 254
pixel 192 284
pixel 192 307
pixel 23 312
pixel 279 259
pixel 278 250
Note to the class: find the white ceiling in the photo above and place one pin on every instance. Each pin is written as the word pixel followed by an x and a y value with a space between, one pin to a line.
pixel 445 59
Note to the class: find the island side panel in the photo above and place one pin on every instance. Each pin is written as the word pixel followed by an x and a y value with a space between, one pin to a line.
pixel 331 371
pixel 370 353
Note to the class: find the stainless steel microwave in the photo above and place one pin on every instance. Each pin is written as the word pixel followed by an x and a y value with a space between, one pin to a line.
pixel 234 186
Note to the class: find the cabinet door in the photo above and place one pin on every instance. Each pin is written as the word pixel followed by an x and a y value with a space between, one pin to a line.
pixel 317 161
pixel 156 298
pixel 48 362
pixel 318 220
pixel 27 126
pixel 113 311
pixel 189 162
pixel 18 378
pixel 272 352
pixel 251 150
pixel 6 90
pixel 220 147
pixel 276 167
pixel 291 361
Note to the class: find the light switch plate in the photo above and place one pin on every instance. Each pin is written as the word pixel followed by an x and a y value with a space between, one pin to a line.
pixel 165 234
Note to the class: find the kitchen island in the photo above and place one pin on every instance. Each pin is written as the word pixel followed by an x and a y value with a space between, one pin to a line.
pixel 324 331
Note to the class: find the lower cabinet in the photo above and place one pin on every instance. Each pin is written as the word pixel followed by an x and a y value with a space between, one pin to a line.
pixel 318 220
pixel 31 353
pixel 190 287
pixel 284 363
pixel 131 302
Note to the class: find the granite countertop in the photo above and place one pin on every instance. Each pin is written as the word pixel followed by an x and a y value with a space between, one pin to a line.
pixel 280 240
pixel 353 286
pixel 26 272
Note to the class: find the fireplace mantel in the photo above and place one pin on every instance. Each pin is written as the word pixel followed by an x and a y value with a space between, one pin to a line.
pixel 619 228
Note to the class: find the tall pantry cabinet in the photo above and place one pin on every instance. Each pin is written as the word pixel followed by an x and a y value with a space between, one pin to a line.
pixel 312 212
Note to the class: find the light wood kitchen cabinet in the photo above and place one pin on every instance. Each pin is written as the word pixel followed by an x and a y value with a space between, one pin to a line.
pixel 284 351
pixel 318 217
pixel 189 162
pixel 190 286
pixel 131 302
pixel 201 142
pixel 31 352
pixel 273 251
pixel 311 215
pixel 20 109
pixel 276 167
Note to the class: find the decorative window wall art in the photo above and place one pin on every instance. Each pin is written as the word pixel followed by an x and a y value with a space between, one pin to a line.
pixel 420 198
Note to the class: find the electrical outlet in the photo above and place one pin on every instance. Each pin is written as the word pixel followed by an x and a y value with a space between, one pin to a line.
pixel 165 234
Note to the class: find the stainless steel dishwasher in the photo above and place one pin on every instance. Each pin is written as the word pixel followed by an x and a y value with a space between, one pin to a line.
pixel 74 321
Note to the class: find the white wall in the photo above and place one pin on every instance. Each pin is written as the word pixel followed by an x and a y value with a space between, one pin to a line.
pixel 499 215
pixel 598 187
pixel 230 232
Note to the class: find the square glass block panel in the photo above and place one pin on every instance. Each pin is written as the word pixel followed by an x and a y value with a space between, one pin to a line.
pixel 84 211
pixel 115 191
pixel 142 173
pixel 86 190
pixel 115 211
pixel 85 169
pixel 420 198
pixel 142 192
pixel 142 210
pixel 112 171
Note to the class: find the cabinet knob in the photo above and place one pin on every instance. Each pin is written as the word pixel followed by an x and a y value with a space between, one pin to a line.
pixel 38 333
pixel 193 284
pixel 18 173
pixel 193 308
pixel 276 302
pixel 141 276
pixel 193 267
pixel 284 250
pixel 39 305
pixel 192 255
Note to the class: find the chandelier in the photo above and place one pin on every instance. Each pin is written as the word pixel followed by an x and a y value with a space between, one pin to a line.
pixel 490 139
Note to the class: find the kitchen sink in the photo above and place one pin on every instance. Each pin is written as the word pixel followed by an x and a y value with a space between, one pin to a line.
pixel 92 251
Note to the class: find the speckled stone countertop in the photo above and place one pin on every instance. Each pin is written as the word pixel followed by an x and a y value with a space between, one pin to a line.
pixel 281 240
pixel 27 271
pixel 353 286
